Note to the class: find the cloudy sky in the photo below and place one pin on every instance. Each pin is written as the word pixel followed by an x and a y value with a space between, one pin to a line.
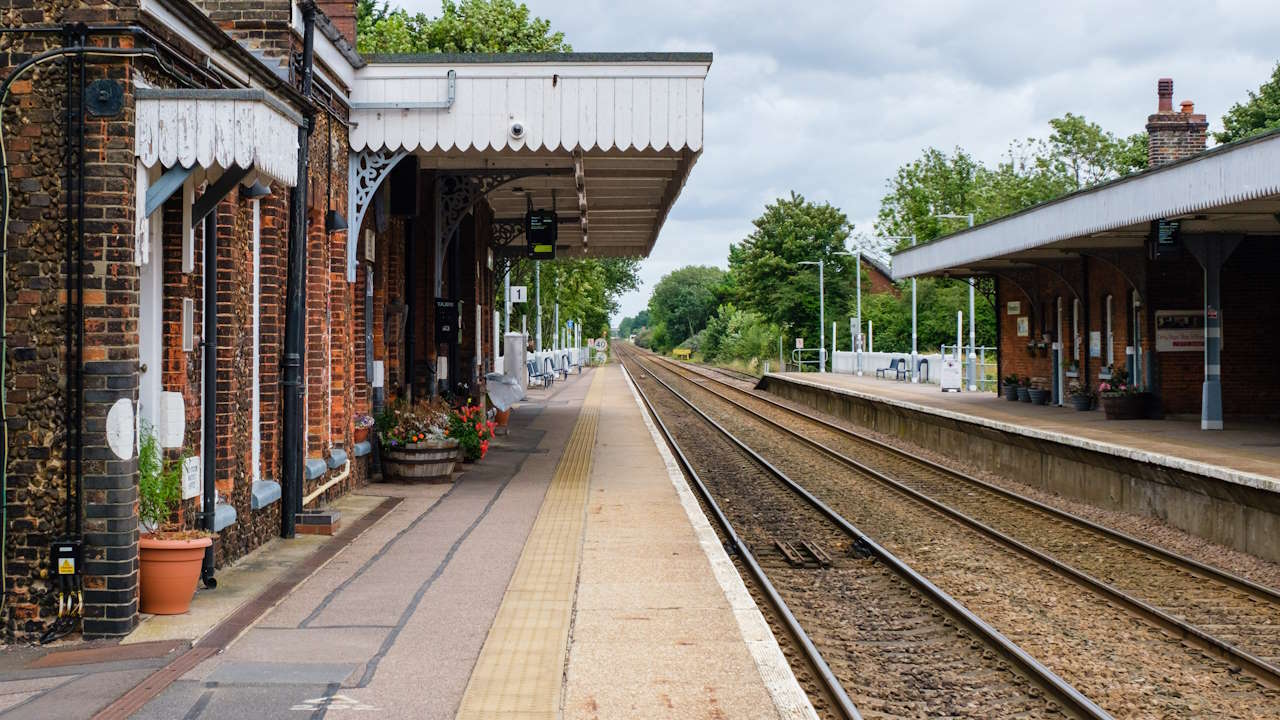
pixel 828 98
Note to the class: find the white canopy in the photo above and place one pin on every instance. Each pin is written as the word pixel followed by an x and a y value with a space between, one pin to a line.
pixel 218 129
pixel 616 131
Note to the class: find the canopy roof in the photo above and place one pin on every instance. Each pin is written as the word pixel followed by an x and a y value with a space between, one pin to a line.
pixel 1232 188
pixel 616 133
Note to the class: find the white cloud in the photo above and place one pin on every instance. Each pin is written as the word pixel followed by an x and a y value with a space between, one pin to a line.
pixel 829 98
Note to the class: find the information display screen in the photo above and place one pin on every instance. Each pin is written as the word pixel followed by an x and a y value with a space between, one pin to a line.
pixel 540 227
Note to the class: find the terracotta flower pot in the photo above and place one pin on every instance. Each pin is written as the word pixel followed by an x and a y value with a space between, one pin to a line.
pixel 360 434
pixel 168 571
pixel 501 417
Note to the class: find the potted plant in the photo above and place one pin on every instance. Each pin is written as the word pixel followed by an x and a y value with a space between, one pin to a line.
pixel 1031 348
pixel 1011 387
pixel 1120 400
pixel 473 431
pixel 1073 369
pixel 415 447
pixel 361 425
pixel 1024 389
pixel 169 556
pixel 1081 396
pixel 1038 395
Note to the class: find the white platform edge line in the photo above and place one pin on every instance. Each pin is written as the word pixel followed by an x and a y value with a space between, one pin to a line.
pixel 789 698
pixel 1216 472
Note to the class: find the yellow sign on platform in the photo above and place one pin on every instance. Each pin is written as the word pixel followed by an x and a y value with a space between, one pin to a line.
pixel 66 566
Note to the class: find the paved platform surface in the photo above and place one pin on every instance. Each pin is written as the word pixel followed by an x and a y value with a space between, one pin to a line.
pixel 565 557
pixel 1247 453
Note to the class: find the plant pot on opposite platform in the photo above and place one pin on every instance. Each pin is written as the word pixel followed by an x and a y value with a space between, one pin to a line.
pixel 1011 393
pixel 1024 394
pixel 168 571
pixel 1081 402
pixel 1038 396
pixel 1131 406
pixel 427 461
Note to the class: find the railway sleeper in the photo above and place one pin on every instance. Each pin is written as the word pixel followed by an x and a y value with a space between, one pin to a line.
pixel 804 554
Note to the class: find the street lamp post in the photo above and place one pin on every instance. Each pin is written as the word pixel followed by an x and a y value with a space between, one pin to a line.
pixel 822 315
pixel 972 372
pixel 857 282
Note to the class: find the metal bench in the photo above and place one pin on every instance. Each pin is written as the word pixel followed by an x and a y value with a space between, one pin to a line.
pixel 897 366
pixel 536 376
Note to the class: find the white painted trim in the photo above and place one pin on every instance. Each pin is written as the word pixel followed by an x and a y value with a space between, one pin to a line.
pixel 328 52
pixel 188 232
pixel 788 698
pixel 256 398
pixel 180 27
pixel 150 317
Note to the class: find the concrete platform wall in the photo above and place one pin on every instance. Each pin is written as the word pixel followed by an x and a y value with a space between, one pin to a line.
pixel 1234 515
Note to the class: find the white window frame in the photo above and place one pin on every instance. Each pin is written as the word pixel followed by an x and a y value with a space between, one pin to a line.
pixel 1075 330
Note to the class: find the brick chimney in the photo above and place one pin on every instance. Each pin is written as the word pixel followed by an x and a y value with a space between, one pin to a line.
pixel 342 13
pixel 1174 134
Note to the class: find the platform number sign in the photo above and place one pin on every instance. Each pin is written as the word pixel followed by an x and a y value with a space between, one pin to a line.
pixel 519 293
pixel 540 229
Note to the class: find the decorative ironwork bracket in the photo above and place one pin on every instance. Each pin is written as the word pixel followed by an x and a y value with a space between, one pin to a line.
pixel 365 172
pixel 505 232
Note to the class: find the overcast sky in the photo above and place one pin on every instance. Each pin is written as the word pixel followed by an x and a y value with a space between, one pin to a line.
pixel 829 98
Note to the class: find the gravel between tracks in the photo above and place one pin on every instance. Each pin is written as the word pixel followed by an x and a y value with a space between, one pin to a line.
pixel 1126 665
pixel 1237 617
pixel 897 654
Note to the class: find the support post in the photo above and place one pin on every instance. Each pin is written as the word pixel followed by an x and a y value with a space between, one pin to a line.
pixel 853 336
pixel 1212 251
pixel 822 321
pixel 537 298
pixel 972 375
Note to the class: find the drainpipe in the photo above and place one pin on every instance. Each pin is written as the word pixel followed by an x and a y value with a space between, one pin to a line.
pixel 291 385
pixel 210 388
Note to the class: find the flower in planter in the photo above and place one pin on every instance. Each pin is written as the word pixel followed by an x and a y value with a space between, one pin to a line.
pixel 403 425
pixel 473 431
pixel 362 421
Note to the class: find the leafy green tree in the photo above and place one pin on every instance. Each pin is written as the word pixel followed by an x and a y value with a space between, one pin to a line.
pixel 1259 114
pixel 469 26
pixel 1086 154
pixel 768 277
pixel 934 183
pixel 587 290
pixel 683 300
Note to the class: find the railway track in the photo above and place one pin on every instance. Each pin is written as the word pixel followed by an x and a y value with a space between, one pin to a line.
pixel 902 646
pixel 1133 659
pixel 1232 616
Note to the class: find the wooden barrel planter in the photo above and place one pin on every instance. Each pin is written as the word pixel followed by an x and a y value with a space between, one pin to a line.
pixel 1124 407
pixel 431 461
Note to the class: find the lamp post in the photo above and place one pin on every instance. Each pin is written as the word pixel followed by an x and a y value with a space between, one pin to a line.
pixel 857 283
pixel 971 373
pixel 822 315
pixel 912 238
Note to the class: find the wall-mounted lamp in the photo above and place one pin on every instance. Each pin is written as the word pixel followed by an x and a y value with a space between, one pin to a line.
pixel 334 222
pixel 255 191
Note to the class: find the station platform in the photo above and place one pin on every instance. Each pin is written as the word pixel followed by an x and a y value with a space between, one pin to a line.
pixel 570 573
pixel 1220 485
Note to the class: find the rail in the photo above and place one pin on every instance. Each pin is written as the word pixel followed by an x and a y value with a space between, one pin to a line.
pixel 1266 672
pixel 1062 691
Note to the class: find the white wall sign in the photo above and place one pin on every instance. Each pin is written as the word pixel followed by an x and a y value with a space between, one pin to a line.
pixel 1095 343
pixel 120 428
pixel 1014 307
pixel 190 477
pixel 519 293
pixel 1024 326
pixel 370 245
pixel 799 343
pixel 1180 330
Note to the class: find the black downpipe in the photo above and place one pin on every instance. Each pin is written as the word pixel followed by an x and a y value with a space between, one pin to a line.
pixel 455 294
pixel 210 387
pixel 410 298
pixel 292 388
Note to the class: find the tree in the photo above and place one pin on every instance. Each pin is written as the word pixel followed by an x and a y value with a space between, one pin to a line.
pixel 587 290
pixel 1087 155
pixel 685 299
pixel 632 324
pixel 765 266
pixel 1259 114
pixel 469 26
pixel 934 183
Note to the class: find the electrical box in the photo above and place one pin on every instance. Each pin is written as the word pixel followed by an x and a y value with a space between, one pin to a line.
pixel 950 375
pixel 65 557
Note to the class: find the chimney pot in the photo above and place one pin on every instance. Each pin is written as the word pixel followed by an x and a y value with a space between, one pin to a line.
pixel 1188 107
pixel 1164 88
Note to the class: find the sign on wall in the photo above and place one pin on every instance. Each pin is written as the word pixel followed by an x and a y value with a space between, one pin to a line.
pixel 191 477
pixel 1013 307
pixel 1024 327
pixel 1180 331
pixel 1095 343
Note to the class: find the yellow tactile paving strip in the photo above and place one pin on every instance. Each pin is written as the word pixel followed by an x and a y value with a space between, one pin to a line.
pixel 521 666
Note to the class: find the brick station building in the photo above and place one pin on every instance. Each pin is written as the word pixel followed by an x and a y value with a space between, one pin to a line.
pixel 225 224
pixel 1164 279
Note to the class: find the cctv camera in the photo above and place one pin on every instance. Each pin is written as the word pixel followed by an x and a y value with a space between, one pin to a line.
pixel 517 129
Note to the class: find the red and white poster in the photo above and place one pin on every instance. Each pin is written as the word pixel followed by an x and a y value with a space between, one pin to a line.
pixel 1180 331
